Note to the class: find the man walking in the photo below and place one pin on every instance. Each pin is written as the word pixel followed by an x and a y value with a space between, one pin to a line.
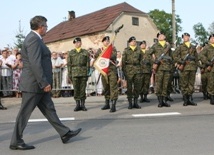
pixel 36 80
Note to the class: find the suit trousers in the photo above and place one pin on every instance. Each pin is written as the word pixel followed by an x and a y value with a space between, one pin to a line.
pixel 45 104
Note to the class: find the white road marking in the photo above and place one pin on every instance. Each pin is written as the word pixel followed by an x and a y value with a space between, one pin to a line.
pixel 45 120
pixel 156 114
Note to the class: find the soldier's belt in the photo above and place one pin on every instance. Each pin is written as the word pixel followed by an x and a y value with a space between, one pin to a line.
pixel 80 65
pixel 134 64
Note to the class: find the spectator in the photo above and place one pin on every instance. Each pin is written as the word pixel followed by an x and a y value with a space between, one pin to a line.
pixel 17 70
pixel 6 74
pixel 56 65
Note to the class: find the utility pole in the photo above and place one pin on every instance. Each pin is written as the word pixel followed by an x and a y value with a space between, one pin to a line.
pixel 173 24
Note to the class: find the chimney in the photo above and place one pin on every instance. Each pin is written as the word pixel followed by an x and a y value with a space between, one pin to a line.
pixel 71 15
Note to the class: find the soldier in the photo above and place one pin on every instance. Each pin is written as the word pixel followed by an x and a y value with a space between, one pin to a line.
pixel 204 74
pixel 110 86
pixel 132 69
pixel 207 58
pixel 78 68
pixel 162 66
pixel 187 60
pixel 146 68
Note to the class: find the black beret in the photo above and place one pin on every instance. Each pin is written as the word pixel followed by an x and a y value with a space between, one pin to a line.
pixel 143 42
pixel 161 32
pixel 131 38
pixel 212 35
pixel 76 40
pixel 185 34
pixel 106 38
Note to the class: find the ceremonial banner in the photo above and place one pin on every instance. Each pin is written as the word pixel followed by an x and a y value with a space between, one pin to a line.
pixel 102 62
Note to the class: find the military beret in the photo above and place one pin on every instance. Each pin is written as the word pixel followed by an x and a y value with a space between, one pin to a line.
pixel 185 34
pixel 212 35
pixel 106 38
pixel 76 40
pixel 131 39
pixel 159 33
pixel 143 42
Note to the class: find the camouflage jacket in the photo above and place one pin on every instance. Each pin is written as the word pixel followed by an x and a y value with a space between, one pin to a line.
pixel 187 56
pixel 132 61
pixel 78 63
pixel 146 62
pixel 207 56
pixel 163 56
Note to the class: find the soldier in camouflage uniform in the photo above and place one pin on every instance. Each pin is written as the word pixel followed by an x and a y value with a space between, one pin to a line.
pixel 204 75
pixel 186 57
pixel 110 86
pixel 78 68
pixel 146 68
pixel 162 66
pixel 207 58
pixel 132 69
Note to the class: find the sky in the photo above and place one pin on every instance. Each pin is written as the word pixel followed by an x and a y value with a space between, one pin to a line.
pixel 15 14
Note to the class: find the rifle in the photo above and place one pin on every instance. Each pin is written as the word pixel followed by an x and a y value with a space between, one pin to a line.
pixel 157 62
pixel 181 67
pixel 209 68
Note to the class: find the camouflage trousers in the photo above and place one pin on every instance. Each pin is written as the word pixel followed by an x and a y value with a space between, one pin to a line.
pixel 187 81
pixel 145 83
pixel 79 84
pixel 210 84
pixel 204 81
pixel 110 88
pixel 134 85
pixel 162 79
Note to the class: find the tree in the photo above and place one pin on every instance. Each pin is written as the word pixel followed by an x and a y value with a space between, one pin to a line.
pixel 20 37
pixel 200 33
pixel 211 28
pixel 163 21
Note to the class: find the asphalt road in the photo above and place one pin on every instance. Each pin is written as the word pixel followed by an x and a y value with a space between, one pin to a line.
pixel 151 130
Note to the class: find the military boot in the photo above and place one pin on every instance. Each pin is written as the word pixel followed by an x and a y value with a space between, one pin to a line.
pixel 212 99
pixel 160 101
pixel 141 98
pixel 169 98
pixel 185 98
pixel 165 104
pixel 190 101
pixel 77 108
pixel 145 99
pixel 130 103
pixel 205 95
pixel 113 105
pixel 136 104
pixel 106 106
pixel 82 106
pixel 2 107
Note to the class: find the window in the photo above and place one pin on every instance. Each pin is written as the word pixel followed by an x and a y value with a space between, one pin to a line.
pixel 135 21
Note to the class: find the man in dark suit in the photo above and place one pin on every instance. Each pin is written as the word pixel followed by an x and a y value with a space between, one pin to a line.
pixel 36 80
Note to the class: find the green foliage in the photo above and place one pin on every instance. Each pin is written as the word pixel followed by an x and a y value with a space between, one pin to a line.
pixel 20 39
pixel 200 33
pixel 163 21
pixel 211 28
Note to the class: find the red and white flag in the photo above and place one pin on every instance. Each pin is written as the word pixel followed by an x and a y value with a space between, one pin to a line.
pixel 102 62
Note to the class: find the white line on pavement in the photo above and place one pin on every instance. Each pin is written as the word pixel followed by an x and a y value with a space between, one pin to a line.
pixel 156 114
pixel 45 120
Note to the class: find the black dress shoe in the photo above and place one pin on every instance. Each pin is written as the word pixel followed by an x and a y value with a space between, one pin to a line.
pixel 21 147
pixel 2 107
pixel 69 135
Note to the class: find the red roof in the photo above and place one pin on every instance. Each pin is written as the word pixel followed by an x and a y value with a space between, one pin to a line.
pixel 87 24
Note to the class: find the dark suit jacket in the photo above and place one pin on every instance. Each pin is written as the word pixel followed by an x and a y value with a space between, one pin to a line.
pixel 37 68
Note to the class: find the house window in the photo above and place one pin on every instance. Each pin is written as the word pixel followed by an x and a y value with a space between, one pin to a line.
pixel 135 21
